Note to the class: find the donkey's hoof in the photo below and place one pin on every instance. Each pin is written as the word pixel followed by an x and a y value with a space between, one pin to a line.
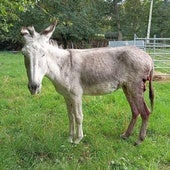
pixel 70 140
pixel 124 136
pixel 77 141
pixel 137 143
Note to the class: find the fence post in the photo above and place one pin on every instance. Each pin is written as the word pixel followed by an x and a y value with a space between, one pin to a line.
pixel 154 46
pixel 135 36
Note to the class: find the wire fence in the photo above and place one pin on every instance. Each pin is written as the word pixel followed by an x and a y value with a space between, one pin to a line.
pixel 159 50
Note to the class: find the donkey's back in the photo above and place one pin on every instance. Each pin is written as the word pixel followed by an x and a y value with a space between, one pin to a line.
pixel 103 70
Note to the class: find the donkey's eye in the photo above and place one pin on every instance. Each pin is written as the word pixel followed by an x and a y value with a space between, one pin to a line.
pixel 43 55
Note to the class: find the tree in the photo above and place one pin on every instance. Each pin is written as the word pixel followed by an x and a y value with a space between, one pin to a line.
pixel 161 19
pixel 81 20
pixel 78 20
pixel 9 12
pixel 114 7
pixel 135 18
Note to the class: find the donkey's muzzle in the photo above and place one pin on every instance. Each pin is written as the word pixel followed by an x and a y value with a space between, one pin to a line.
pixel 34 88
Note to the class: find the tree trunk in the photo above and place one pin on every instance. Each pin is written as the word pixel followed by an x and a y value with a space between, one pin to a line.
pixel 116 11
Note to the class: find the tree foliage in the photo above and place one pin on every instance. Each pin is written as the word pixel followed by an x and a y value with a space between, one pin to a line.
pixel 135 18
pixel 9 12
pixel 80 20
pixel 161 19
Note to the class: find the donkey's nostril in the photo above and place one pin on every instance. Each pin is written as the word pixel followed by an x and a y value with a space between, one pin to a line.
pixel 33 86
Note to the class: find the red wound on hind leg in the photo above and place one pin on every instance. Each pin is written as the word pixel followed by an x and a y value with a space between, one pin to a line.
pixel 148 78
pixel 144 84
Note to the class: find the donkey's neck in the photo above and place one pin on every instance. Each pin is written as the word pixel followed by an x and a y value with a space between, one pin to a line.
pixel 59 65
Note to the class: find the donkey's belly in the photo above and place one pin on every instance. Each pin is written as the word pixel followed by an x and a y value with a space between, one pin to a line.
pixel 102 88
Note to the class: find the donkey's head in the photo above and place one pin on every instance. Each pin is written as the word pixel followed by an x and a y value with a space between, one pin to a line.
pixel 35 51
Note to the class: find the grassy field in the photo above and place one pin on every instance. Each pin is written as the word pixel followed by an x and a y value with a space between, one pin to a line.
pixel 34 129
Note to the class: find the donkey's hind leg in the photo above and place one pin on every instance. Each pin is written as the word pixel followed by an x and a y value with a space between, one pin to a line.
pixel 134 110
pixel 145 112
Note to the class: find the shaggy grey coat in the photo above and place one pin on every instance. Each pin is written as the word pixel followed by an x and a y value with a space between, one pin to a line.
pixel 89 72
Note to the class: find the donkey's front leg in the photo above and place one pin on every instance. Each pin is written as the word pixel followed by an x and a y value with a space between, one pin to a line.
pixel 74 106
pixel 72 130
pixel 77 107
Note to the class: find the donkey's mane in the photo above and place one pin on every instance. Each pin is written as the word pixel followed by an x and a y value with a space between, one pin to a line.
pixel 54 43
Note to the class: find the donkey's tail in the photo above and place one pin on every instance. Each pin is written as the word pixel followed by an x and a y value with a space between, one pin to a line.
pixel 151 90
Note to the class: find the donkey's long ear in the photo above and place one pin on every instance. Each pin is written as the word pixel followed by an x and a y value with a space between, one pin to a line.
pixel 49 30
pixel 28 32
pixel 32 31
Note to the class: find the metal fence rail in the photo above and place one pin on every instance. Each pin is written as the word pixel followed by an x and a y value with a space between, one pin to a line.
pixel 159 50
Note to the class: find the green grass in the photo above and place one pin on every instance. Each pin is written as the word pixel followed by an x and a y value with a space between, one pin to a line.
pixel 34 129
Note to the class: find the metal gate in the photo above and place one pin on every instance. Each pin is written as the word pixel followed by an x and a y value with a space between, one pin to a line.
pixel 159 50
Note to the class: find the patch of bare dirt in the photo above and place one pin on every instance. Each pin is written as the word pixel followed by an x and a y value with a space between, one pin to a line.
pixel 158 76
